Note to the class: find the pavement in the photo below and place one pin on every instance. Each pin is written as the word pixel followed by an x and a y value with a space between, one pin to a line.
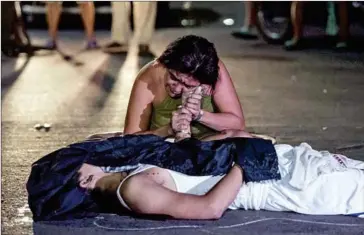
pixel 314 96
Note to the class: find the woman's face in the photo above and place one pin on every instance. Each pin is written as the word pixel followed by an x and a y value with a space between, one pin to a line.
pixel 177 83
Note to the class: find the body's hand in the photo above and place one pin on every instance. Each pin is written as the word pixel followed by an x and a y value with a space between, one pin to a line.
pixel 193 105
pixel 181 120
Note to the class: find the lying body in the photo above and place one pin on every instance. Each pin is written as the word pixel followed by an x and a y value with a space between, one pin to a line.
pixel 312 183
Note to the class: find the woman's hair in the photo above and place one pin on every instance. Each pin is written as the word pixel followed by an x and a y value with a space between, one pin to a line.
pixel 193 55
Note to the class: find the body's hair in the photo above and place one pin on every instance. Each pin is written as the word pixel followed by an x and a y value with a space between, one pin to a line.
pixel 193 55
pixel 105 193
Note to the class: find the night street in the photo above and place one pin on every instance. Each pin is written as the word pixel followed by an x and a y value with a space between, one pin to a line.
pixel 314 96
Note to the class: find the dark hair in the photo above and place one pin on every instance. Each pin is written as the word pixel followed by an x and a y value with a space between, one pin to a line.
pixel 193 55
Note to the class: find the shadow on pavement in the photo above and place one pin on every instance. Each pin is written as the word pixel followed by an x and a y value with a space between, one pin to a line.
pixel 11 73
pixel 106 76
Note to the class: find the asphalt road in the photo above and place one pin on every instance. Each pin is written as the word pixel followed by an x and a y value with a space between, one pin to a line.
pixel 313 96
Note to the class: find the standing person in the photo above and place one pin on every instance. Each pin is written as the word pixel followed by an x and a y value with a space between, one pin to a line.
pixel 144 22
pixel 87 9
pixel 296 17
pixel 247 31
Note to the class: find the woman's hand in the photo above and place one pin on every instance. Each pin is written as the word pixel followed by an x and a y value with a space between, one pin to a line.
pixel 181 120
pixel 193 105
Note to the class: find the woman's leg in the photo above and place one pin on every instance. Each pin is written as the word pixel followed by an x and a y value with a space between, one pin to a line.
pixel 250 20
pixel 53 14
pixel 296 18
pixel 88 17
pixel 343 25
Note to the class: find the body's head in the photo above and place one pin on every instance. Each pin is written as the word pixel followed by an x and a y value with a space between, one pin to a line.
pixel 191 61
pixel 101 185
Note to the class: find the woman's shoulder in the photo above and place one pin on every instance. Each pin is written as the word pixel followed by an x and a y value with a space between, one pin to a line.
pixel 151 72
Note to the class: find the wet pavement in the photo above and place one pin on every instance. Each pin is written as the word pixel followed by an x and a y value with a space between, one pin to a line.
pixel 313 96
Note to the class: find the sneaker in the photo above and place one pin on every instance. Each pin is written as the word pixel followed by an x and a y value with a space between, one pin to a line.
pixel 115 47
pixel 51 45
pixel 293 44
pixel 341 45
pixel 92 45
pixel 245 33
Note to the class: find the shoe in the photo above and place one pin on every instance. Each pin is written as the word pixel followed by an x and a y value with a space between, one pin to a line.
pixel 342 45
pixel 144 50
pixel 245 33
pixel 51 45
pixel 92 45
pixel 293 44
pixel 115 47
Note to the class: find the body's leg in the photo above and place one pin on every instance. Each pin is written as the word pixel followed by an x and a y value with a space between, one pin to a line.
pixel 53 14
pixel 120 28
pixel 144 20
pixel 88 17
pixel 250 19
pixel 343 25
pixel 296 18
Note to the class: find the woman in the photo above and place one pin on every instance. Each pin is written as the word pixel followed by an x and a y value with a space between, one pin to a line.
pixel 187 63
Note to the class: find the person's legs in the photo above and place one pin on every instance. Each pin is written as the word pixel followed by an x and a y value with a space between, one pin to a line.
pixel 245 32
pixel 296 17
pixel 144 20
pixel 53 14
pixel 343 25
pixel 120 28
pixel 88 17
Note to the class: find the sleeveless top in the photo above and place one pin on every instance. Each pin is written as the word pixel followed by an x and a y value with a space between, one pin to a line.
pixel 162 114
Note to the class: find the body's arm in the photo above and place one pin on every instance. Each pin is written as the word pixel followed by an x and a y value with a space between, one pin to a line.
pixel 230 114
pixel 147 197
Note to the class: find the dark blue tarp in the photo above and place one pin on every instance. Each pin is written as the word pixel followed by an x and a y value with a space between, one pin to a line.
pixel 53 192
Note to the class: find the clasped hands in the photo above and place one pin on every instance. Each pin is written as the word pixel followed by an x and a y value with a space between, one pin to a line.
pixel 186 113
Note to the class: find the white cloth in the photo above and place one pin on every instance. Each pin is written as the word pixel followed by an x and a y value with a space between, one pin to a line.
pixel 312 182
pixel 144 21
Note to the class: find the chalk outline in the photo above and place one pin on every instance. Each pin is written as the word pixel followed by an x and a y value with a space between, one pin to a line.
pixel 221 227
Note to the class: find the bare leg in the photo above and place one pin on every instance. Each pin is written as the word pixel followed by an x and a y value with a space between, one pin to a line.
pixel 343 24
pixel 53 14
pixel 296 17
pixel 250 20
pixel 88 18
pixel 250 16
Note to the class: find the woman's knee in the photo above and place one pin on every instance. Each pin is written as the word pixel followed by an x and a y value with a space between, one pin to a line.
pixel 104 135
pixel 231 133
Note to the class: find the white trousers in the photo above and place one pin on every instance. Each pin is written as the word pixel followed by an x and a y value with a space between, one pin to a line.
pixel 144 21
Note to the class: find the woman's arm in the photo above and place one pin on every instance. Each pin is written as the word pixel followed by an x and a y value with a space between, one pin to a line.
pixel 230 114
pixel 139 111
pixel 147 197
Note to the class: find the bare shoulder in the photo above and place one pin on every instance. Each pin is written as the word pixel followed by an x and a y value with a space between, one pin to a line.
pixel 223 72
pixel 150 73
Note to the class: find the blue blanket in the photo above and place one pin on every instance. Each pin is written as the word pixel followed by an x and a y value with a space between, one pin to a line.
pixel 53 192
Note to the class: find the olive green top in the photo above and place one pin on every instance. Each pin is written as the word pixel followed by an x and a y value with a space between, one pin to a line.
pixel 162 114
